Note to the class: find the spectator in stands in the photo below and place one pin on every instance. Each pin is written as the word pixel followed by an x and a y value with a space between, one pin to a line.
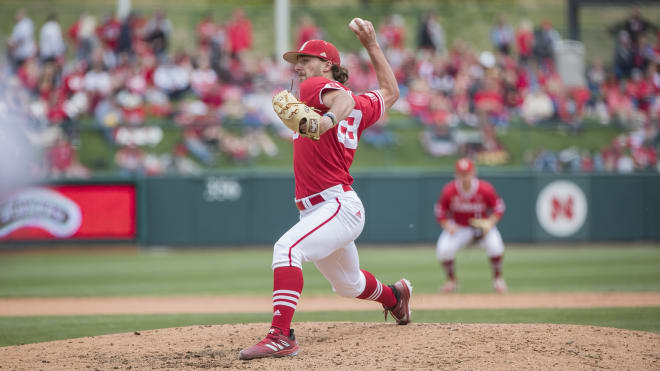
pixel 218 48
pixel 501 36
pixel 192 138
pixel 130 160
pixel 62 159
pixel 136 80
pixel 126 35
pixel 625 163
pixel 172 78
pixel 546 161
pixel 47 84
pixel 392 33
pixel 108 32
pixel 51 44
pixel 587 162
pixel 635 26
pixel 21 45
pixel 308 30
pixel 239 31
pixel 432 35
pixel 157 33
pixel 182 163
pixel 82 34
pixel 619 104
pixel 233 110
pixel 60 156
pixel 537 107
pixel 132 107
pixel 489 102
pixel 205 32
pixel 203 79
pixel 525 41
pixel 623 55
pixel 29 74
pixel 545 41
pixel 596 76
pixel 98 83
pixel 73 80
pixel 438 141
pixel 640 89
pixel 656 50
pixel 419 99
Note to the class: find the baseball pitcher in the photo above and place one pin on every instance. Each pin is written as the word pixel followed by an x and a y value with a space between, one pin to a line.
pixel 468 210
pixel 327 120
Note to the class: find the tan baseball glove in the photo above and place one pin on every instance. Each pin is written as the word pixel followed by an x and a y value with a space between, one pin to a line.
pixel 481 227
pixel 296 115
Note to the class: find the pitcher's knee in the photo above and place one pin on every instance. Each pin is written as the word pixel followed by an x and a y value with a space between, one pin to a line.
pixel 283 256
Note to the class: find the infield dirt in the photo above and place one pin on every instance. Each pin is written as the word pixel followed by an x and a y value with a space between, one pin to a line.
pixel 343 345
pixel 354 346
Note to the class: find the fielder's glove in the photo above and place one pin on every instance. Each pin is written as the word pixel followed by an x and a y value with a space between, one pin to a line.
pixel 296 115
pixel 481 227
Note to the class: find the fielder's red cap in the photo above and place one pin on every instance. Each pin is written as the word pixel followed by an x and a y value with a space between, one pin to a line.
pixel 316 48
pixel 464 165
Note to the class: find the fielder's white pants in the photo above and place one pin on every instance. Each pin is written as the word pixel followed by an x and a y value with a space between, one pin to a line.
pixel 325 235
pixel 449 244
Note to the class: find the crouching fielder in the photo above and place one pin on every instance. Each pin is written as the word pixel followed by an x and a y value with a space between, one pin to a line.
pixel 468 210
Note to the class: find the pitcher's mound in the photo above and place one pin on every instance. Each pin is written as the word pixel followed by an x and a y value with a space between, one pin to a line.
pixel 355 346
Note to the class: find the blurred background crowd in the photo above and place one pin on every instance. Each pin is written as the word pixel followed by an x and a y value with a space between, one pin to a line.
pixel 123 77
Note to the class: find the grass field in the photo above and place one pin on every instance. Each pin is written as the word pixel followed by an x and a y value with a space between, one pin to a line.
pixel 247 272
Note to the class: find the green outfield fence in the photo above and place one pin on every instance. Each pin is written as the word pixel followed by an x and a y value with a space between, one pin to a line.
pixel 231 209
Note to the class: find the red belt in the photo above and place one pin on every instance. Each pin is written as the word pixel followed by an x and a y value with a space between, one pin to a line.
pixel 315 200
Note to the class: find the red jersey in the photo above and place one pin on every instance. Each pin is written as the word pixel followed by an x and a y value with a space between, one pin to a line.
pixel 479 201
pixel 108 33
pixel 318 165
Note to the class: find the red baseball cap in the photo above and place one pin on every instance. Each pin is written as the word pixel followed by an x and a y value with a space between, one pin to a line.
pixel 316 48
pixel 464 165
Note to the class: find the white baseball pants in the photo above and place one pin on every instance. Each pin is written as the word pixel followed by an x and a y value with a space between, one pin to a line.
pixel 325 235
pixel 449 244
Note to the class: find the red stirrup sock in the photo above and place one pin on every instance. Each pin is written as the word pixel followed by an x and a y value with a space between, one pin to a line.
pixel 376 291
pixel 287 286
pixel 449 269
pixel 496 263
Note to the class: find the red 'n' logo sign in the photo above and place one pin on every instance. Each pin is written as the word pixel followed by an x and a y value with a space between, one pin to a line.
pixel 560 209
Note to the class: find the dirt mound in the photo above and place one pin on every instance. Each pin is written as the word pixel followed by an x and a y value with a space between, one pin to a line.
pixel 353 346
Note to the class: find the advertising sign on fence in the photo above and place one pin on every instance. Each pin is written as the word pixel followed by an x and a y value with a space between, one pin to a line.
pixel 84 211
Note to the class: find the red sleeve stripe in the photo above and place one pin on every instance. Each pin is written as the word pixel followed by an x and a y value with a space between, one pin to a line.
pixel 499 206
pixel 381 101
pixel 439 212
pixel 327 86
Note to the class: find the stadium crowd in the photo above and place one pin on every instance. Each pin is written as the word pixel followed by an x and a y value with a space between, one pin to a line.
pixel 123 74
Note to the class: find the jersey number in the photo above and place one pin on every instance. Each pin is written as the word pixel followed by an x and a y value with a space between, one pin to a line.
pixel 347 132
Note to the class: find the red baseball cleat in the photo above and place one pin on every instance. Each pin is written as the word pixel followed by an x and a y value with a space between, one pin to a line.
pixel 401 310
pixel 275 345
